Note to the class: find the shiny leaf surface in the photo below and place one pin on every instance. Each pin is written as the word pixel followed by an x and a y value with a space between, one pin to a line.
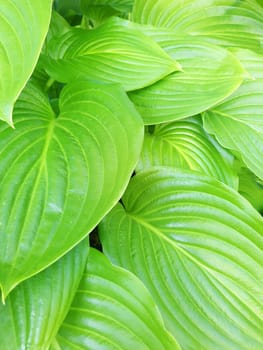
pixel 184 144
pixel 106 314
pixel 229 23
pixel 237 123
pixel 112 52
pixel 24 25
pixel 198 247
pixel 210 74
pixel 60 175
pixel 34 311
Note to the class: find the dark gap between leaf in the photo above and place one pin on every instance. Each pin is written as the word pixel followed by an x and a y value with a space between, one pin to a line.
pixel 95 240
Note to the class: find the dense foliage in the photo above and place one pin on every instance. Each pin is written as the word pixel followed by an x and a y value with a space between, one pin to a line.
pixel 136 128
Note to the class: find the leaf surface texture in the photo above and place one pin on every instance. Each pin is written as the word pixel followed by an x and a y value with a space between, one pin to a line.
pixel 60 175
pixel 197 246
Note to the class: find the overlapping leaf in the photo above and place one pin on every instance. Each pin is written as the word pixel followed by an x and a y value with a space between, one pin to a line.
pixel 24 25
pixel 112 310
pixel 185 144
pixel 58 26
pixel 120 6
pixel 68 7
pixel 251 188
pixel 35 310
pixel 95 16
pixel 209 75
pixel 59 175
pixel 97 11
pixel 225 22
pixel 112 52
pixel 237 123
pixel 198 247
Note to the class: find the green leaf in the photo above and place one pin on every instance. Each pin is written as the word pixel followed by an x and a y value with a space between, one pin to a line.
pixel 185 144
pixel 100 9
pixel 113 52
pixel 60 175
pixel 106 314
pixel 97 15
pixel 24 25
pixel 118 5
pixel 67 7
pixel 58 26
pixel 237 123
pixel 229 23
pixel 35 310
pixel 210 74
pixel 251 188
pixel 97 11
pixel 198 247
pixel 260 2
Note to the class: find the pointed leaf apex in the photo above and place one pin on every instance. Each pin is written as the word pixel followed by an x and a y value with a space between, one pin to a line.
pixel 5 289
pixel 3 296
pixel 178 67
pixel 6 114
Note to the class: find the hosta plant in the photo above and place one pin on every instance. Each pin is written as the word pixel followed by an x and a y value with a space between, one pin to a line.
pixel 131 181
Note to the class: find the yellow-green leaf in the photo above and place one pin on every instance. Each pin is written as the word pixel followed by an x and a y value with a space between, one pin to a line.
pixel 24 25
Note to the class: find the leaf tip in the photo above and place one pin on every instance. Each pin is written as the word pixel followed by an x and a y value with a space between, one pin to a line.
pixel 6 114
pixel 3 296
pixel 5 290
pixel 179 67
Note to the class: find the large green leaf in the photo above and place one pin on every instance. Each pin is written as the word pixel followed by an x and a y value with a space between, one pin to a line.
pixel 112 310
pixel 24 25
pixel 113 52
pixel 225 22
pixel 237 123
pixel 209 75
pixel 59 175
pixel 198 247
pixel 185 144
pixel 35 310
